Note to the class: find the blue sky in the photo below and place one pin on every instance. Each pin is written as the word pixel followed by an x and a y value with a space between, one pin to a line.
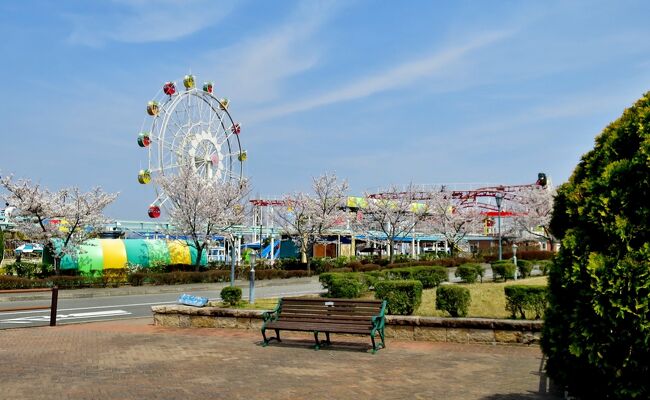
pixel 429 92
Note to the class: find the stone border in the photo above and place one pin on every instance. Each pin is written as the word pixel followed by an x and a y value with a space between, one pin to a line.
pixel 432 329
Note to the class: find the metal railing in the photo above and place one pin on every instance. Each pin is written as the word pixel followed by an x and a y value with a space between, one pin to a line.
pixel 52 307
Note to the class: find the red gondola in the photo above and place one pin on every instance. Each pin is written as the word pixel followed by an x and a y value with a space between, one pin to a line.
pixel 169 88
pixel 154 212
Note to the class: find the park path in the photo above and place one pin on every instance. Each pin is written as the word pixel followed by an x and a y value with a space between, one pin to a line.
pixel 132 359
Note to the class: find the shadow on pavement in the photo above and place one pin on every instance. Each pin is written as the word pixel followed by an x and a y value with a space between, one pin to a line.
pixel 309 345
pixel 521 396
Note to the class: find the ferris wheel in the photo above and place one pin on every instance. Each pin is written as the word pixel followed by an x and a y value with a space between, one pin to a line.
pixel 190 127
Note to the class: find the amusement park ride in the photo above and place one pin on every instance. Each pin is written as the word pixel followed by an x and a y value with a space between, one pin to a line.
pixel 190 127
pixel 480 198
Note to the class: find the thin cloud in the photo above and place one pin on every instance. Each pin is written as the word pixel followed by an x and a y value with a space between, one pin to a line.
pixel 143 22
pixel 400 76
pixel 256 68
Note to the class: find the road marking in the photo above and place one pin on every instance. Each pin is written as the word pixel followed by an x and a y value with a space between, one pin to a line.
pixel 244 294
pixel 65 317
pixel 99 307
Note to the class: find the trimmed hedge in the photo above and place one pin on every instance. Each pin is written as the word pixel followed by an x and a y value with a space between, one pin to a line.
pixel 544 266
pixel 453 299
pixel 115 278
pixel 503 270
pixel 469 273
pixel 402 297
pixel 525 267
pixel 430 276
pixel 342 285
pixel 231 295
pixel 523 255
pixel 443 262
pixel 521 299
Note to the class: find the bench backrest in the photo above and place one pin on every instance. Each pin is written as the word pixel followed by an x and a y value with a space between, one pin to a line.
pixel 336 311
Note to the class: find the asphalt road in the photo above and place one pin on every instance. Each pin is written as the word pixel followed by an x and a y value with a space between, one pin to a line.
pixel 75 310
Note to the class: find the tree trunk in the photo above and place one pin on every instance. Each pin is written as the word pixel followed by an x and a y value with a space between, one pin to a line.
pixel 197 263
pixel 391 252
pixel 308 258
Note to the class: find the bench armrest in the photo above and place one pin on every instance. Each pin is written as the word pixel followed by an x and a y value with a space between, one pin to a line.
pixel 379 320
pixel 272 315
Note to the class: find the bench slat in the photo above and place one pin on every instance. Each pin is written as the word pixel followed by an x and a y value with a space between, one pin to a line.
pixel 332 328
pixel 332 304
pixel 333 317
pixel 327 312
pixel 329 321
pixel 336 300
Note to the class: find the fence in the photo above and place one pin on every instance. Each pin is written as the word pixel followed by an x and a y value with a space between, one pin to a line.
pixel 52 306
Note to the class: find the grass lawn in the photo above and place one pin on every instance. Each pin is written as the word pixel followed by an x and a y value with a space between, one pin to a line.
pixel 260 304
pixel 488 299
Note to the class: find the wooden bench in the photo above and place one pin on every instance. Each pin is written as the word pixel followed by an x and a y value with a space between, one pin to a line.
pixel 320 315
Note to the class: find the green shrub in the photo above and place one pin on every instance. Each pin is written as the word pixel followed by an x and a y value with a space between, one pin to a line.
pixel 544 266
pixel 597 327
pixel 231 295
pixel 503 270
pixel 136 278
pixel 402 297
pixel 29 270
pixel 453 299
pixel 346 286
pixel 525 267
pixel 326 279
pixel 523 298
pixel 430 276
pixel 368 267
pixel 469 273
pixel 15 282
pixel 354 265
pixel 372 277
pixel 2 246
pixel 522 255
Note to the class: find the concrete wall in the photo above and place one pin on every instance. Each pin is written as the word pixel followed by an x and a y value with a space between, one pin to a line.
pixel 433 329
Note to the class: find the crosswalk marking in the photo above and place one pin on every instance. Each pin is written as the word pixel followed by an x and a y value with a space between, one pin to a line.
pixel 65 317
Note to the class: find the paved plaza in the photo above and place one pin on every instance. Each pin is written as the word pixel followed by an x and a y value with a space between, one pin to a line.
pixel 133 359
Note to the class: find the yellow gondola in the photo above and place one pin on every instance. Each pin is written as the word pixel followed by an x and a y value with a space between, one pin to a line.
pixel 188 81
pixel 223 103
pixel 242 156
pixel 144 176
pixel 153 108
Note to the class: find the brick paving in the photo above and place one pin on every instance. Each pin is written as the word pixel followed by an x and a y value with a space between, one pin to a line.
pixel 132 359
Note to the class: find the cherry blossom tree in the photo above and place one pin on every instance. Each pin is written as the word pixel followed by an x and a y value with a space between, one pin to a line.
pixel 309 217
pixel 395 212
pixel 62 219
pixel 200 208
pixel 533 214
pixel 449 220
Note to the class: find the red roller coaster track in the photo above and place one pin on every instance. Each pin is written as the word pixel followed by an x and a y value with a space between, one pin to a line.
pixel 480 197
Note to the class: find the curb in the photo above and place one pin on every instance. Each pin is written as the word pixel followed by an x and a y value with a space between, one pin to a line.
pixel 143 290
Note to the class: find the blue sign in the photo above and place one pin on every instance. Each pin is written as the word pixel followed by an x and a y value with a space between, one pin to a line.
pixel 190 300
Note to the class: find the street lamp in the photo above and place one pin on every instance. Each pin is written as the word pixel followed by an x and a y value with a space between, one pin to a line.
pixel 499 197
pixel 514 258
pixel 251 278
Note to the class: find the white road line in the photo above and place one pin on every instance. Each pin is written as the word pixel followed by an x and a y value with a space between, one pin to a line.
pixel 97 307
pixel 155 303
pixel 65 317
